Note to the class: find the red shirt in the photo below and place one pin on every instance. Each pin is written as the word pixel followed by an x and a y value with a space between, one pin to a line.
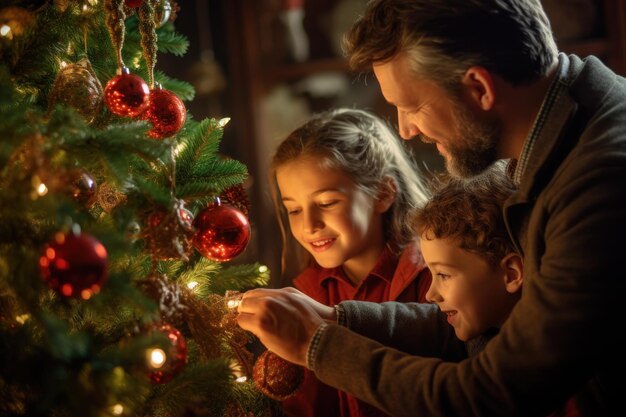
pixel 402 278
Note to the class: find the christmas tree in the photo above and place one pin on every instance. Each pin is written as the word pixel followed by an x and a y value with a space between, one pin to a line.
pixel 117 217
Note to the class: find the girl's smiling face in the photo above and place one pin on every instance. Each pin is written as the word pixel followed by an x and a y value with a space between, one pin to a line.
pixel 334 220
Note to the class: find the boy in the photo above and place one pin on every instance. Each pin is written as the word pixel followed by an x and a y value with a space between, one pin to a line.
pixel 477 273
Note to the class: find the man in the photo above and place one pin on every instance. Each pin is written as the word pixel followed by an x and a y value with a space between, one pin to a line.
pixel 482 79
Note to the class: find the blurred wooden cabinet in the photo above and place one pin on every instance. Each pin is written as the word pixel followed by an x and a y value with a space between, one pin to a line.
pixel 263 70
pixel 602 29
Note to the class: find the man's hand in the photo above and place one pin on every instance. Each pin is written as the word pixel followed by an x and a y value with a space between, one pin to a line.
pixel 284 320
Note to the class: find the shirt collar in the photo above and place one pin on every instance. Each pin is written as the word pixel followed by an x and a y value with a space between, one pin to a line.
pixel 556 88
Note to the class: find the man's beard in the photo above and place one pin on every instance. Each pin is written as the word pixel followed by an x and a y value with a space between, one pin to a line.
pixel 474 148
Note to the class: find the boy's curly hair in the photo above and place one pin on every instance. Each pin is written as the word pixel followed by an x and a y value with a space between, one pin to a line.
pixel 470 211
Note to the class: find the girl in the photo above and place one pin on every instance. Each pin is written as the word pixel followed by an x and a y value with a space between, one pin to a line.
pixel 348 186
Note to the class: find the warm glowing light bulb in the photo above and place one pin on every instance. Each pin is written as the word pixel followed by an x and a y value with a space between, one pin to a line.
pixel 237 370
pixel 157 358
pixel 5 30
pixel 42 189
pixel 117 409
pixel 22 318
pixel 86 293
pixel 192 285
pixel 223 122
pixel 263 269
pixel 233 303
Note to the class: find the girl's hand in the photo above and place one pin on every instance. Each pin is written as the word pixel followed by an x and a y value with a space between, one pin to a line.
pixel 284 320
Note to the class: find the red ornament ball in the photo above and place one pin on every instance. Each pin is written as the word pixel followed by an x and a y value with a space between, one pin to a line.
pixel 275 377
pixel 222 232
pixel 133 3
pixel 166 112
pixel 74 265
pixel 127 94
pixel 167 364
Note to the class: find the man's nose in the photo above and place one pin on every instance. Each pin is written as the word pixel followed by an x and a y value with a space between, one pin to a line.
pixel 407 129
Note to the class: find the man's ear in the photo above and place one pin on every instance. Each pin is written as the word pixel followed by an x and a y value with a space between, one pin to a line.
pixel 513 267
pixel 479 86
pixel 386 195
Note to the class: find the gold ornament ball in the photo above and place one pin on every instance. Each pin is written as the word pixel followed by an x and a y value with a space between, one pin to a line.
pixel 77 86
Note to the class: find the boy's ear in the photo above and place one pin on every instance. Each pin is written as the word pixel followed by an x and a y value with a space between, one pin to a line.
pixel 513 267
pixel 386 195
pixel 479 85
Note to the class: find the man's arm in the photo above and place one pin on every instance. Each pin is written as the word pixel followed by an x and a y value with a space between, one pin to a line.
pixel 415 328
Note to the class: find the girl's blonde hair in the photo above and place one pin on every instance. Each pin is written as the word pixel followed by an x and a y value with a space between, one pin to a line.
pixel 365 148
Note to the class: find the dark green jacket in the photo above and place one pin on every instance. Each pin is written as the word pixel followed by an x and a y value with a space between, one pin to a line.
pixel 567 334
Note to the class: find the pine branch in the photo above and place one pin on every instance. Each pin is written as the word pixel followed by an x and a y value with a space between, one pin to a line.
pixel 202 138
pixel 199 172
pixel 173 43
pixel 157 193
pixel 188 391
pixel 169 41
pixel 240 278
pixel 182 89
pixel 201 272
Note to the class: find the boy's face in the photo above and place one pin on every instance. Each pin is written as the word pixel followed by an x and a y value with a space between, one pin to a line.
pixel 468 289
pixel 334 220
